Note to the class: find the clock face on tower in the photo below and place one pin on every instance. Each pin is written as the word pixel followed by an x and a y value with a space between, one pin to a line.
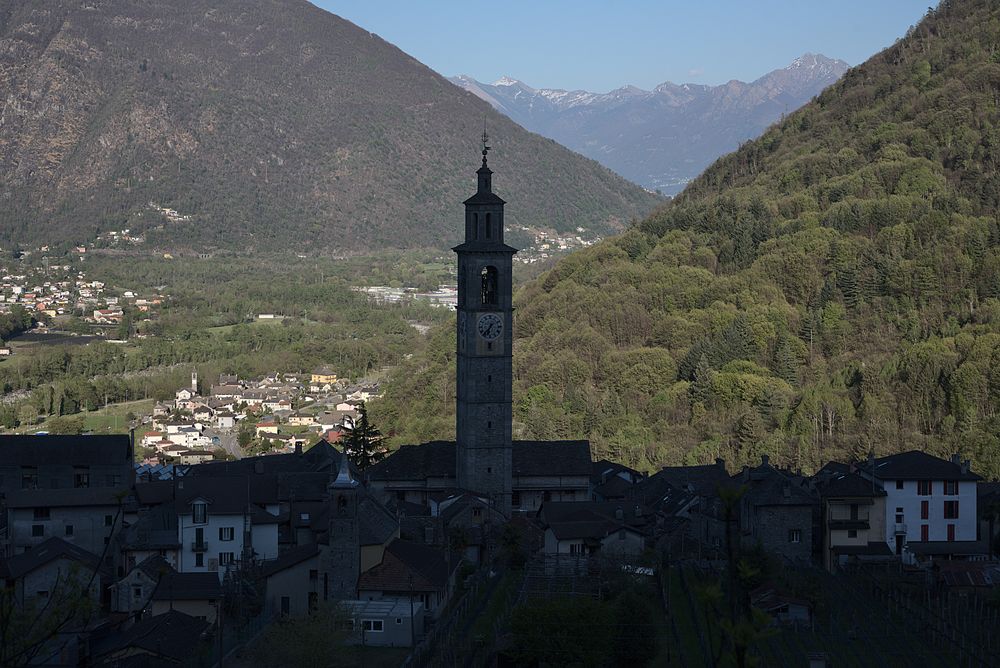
pixel 490 326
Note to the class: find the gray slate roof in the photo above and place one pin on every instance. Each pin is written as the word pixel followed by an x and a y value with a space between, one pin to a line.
pixel 76 450
pixel 436 459
pixel 174 586
pixel 45 552
pixel 916 465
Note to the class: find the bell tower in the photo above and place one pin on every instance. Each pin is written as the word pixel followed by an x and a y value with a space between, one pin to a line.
pixel 484 339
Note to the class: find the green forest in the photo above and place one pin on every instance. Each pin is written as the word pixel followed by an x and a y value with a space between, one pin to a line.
pixel 830 289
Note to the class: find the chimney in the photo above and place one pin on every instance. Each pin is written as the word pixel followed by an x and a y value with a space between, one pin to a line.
pixel 765 460
pixel 965 466
pixel 852 467
pixel 956 460
pixel 298 448
pixel 721 463
pixel 619 514
pixel 746 474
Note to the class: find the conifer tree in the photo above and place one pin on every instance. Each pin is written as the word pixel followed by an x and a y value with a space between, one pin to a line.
pixel 364 445
pixel 701 386
pixel 786 362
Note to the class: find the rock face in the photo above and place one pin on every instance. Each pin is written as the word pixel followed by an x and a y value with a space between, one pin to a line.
pixel 665 137
pixel 262 123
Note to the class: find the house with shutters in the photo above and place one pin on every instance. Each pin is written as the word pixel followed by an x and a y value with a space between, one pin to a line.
pixel 930 505
pixel 222 519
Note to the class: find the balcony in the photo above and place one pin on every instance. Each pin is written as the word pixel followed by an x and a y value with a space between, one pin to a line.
pixel 899 528
pixel 199 546
pixel 841 525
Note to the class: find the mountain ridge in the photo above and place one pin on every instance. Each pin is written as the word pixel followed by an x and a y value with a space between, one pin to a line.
pixel 270 123
pixel 663 137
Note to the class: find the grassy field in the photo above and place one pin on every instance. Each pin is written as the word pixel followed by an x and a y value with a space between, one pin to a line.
pixel 110 420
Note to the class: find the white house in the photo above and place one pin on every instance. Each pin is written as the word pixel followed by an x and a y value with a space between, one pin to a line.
pixel 214 516
pixel 930 503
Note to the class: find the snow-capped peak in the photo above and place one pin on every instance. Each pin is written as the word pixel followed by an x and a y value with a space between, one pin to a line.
pixel 506 81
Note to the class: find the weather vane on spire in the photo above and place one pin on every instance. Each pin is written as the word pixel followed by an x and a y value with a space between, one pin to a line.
pixel 486 138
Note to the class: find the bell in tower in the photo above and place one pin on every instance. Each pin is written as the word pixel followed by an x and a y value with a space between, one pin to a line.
pixel 484 342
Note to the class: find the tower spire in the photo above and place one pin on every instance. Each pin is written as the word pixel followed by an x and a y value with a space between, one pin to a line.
pixel 486 139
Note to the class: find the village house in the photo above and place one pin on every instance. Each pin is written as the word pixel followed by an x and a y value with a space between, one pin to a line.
pixel 853 518
pixel 930 505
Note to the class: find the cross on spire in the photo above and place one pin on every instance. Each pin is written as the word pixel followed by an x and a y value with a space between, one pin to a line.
pixel 486 147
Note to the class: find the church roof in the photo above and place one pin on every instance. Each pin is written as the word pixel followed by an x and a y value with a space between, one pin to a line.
pixel 483 247
pixel 484 198
pixel 436 459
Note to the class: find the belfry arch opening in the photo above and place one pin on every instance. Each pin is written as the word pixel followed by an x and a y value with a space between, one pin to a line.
pixel 475 225
pixel 489 226
pixel 489 286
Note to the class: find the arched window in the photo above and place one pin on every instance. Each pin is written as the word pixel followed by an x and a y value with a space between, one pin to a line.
pixel 489 279
pixel 489 225
pixel 475 226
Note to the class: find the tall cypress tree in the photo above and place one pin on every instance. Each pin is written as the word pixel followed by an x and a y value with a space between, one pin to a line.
pixel 364 445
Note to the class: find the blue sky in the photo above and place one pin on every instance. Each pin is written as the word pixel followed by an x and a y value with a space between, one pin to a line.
pixel 599 45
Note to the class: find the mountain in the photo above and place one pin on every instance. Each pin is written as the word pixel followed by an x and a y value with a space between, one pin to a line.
pixel 664 137
pixel 263 124
pixel 830 289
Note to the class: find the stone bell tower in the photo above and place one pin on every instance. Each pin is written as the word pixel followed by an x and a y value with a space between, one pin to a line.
pixel 484 340
pixel 340 563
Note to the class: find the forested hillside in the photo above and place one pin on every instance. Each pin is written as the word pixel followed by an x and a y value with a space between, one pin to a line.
pixel 263 125
pixel 829 289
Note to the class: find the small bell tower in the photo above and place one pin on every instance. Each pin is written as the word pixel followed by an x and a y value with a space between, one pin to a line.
pixel 341 562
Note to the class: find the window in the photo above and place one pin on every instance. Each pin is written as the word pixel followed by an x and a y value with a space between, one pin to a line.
pixel 899 515
pixel 69 529
pixel 795 535
pixel 951 510
pixel 575 549
pixel 199 513
pixel 312 601
pixel 852 533
pixel 515 499
pixel 199 559
pixel 136 592
pixel 226 558
pixel 81 479
pixel 37 530
pixel 399 620
pixel 29 478
pixel 477 512
pixel 854 511
pixel 226 533
pixel 313 574
pixel 951 532
pixel 41 514
pixel 371 625
pixel 44 593
pixel 303 517
pixel 925 532
pixel 925 487
pixel 489 285
pixel 899 484
pixel 112 480
pixel 951 487
pixel 925 510
pixel 109 520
